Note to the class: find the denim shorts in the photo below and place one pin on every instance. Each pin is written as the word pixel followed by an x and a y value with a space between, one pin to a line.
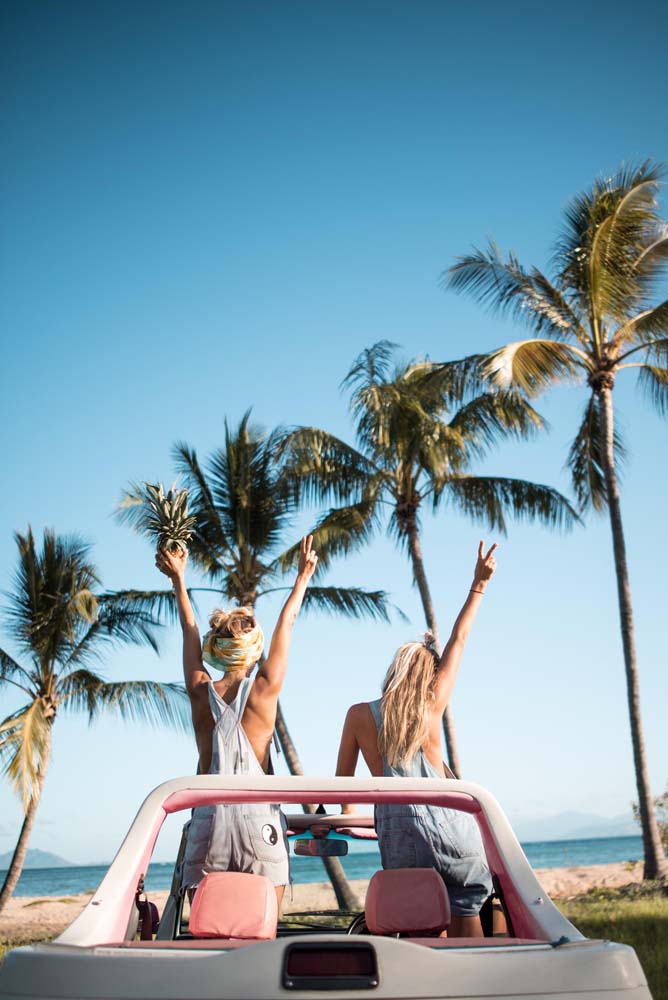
pixel 444 839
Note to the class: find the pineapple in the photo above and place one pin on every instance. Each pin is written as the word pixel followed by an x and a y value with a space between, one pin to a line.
pixel 160 515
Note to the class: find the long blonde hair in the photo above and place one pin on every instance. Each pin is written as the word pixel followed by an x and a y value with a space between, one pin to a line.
pixel 406 700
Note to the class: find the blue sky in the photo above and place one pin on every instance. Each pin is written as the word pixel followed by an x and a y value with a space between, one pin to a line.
pixel 212 206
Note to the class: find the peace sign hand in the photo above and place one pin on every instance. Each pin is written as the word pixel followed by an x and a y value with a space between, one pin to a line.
pixel 308 560
pixel 484 567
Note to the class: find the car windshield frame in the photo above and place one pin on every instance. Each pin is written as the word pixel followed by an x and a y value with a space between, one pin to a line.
pixel 105 918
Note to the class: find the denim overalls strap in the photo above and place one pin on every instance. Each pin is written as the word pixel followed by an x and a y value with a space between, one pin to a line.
pixel 232 752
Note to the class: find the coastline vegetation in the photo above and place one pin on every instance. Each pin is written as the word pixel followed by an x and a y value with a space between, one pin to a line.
pixel 61 620
pixel 636 915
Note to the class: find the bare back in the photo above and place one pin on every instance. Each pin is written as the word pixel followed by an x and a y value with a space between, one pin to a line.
pixel 258 719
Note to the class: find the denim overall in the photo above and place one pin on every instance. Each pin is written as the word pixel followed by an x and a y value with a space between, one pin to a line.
pixel 425 836
pixel 245 837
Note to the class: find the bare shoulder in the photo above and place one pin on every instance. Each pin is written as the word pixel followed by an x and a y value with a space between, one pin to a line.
pixel 197 687
pixel 359 715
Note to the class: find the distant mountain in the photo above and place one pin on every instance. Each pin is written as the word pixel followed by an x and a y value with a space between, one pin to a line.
pixel 36 859
pixel 574 826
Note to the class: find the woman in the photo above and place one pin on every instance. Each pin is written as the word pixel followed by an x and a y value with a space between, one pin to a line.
pixel 400 735
pixel 234 720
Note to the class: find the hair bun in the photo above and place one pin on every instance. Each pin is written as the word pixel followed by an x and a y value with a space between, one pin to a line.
pixel 429 640
pixel 234 623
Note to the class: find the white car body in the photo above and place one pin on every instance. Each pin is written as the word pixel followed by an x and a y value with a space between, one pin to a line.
pixel 546 958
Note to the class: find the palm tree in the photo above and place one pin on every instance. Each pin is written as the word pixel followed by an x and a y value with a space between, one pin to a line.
pixel 599 314
pixel 244 505
pixel 412 451
pixel 60 622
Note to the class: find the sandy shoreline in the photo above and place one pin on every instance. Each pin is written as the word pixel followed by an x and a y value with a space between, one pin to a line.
pixel 28 917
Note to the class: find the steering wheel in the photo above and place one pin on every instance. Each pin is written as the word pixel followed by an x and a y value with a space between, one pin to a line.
pixel 358 925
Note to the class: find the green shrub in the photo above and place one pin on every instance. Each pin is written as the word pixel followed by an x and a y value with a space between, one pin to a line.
pixel 636 915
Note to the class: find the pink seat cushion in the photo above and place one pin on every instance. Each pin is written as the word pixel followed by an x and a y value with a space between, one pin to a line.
pixel 234 905
pixel 407 901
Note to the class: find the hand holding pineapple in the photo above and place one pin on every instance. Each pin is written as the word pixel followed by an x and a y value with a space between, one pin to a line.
pixel 172 564
pixel 160 516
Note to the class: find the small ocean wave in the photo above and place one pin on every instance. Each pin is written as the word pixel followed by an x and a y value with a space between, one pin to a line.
pixel 359 865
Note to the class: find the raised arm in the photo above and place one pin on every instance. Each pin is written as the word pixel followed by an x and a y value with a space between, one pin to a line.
pixel 446 672
pixel 173 565
pixel 271 674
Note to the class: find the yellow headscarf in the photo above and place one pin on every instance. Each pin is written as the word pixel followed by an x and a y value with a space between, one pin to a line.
pixel 229 654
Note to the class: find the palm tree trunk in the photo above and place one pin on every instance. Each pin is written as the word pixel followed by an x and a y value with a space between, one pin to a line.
pixel 655 861
pixel 345 897
pixel 415 550
pixel 288 748
pixel 21 849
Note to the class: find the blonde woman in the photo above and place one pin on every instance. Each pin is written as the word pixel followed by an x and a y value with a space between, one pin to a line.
pixel 400 735
pixel 234 719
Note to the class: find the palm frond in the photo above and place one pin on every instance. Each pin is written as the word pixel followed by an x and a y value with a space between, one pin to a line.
pixel 252 500
pixel 321 466
pixel 84 604
pixel 432 448
pixel 135 701
pixel 123 618
pixel 533 365
pixel 77 691
pixel 351 601
pixel 400 425
pixel 607 230
pixel 378 396
pixel 372 367
pixel 657 350
pixel 379 411
pixel 51 597
pixel 506 287
pixel 652 263
pixel 492 416
pixel 585 458
pixel 492 499
pixel 340 531
pixel 210 546
pixel 647 325
pixel 12 721
pixel 120 620
pixel 455 381
pixel 159 606
pixel 653 382
pixel 13 672
pixel 25 739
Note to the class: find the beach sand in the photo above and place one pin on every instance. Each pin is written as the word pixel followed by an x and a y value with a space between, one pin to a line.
pixel 34 918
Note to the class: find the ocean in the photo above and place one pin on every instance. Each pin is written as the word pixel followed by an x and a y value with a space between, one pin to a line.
pixel 358 864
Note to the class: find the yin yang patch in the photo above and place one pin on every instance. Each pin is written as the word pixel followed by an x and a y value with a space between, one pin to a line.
pixel 269 834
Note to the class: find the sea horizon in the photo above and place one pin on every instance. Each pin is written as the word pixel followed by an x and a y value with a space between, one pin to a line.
pixel 73 879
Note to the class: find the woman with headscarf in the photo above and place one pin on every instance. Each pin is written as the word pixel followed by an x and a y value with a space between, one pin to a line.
pixel 234 719
pixel 400 735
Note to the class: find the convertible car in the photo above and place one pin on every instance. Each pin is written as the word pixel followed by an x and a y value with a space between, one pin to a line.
pixel 226 939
